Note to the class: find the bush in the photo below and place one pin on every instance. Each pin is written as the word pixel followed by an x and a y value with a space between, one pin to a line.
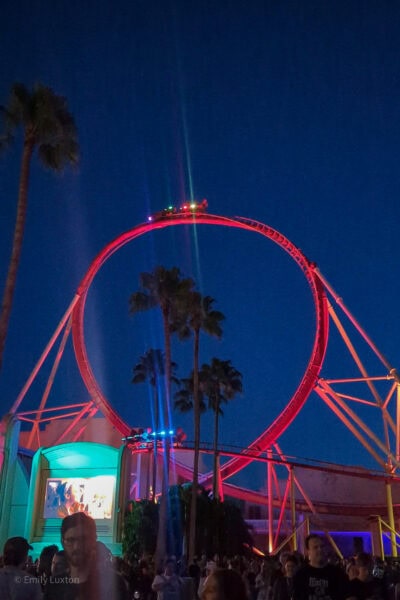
pixel 140 529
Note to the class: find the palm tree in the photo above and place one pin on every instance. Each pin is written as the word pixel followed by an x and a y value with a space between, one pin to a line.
pixel 48 126
pixel 184 396
pixel 220 382
pixel 198 315
pixel 151 368
pixel 162 288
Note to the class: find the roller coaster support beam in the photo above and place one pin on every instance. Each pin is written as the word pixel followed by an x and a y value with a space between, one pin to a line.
pixel 361 331
pixel 270 466
pixel 35 429
pixel 304 527
pixel 391 518
pixel 293 508
pixel 281 513
pixel 398 423
pixel 44 355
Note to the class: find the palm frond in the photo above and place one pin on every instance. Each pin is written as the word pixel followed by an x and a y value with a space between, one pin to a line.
pixel 47 122
pixel 140 301
pixel 220 382
pixel 20 105
pixel 183 403
pixel 58 156
pixel 138 376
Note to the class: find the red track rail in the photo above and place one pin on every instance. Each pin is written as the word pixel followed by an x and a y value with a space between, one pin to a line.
pixel 288 414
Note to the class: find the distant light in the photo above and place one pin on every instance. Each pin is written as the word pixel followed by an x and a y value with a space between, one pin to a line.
pixel 153 433
pixel 170 207
pixel 171 432
pixel 150 218
pixel 184 207
pixel 193 205
pixel 162 432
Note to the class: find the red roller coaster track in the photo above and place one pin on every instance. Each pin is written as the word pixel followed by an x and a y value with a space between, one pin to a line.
pixel 310 377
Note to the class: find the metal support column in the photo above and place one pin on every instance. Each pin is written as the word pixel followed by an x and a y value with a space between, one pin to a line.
pixel 293 508
pixel 391 517
pixel 270 503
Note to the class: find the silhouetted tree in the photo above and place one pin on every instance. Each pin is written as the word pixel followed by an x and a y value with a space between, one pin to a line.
pixel 151 368
pixel 162 288
pixel 198 315
pixel 49 127
pixel 220 383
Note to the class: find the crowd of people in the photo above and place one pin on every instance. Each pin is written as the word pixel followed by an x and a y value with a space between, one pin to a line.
pixel 84 569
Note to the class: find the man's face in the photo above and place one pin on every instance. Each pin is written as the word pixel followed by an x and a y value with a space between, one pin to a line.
pixel 290 568
pixel 79 546
pixel 316 552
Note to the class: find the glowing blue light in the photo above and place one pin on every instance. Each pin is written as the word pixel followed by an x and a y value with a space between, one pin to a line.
pixel 162 432
pixel 171 432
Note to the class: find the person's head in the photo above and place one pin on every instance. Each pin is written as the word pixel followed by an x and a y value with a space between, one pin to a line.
pixel 170 567
pixel 351 569
pixel 78 537
pixel 45 559
pixel 15 551
pixel 290 565
pixel 59 564
pixel 234 564
pixel 315 550
pixel 143 567
pixel 364 565
pixel 224 584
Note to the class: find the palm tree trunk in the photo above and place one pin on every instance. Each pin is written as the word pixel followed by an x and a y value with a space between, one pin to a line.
pixel 216 432
pixel 8 294
pixel 161 548
pixel 157 429
pixel 166 425
pixel 196 413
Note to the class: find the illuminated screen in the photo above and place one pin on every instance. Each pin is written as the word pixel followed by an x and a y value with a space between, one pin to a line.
pixel 92 495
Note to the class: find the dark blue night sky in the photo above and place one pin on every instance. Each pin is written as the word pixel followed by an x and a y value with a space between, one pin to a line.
pixel 285 112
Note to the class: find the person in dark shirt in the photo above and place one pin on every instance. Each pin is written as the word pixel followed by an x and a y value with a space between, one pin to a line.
pixel 15 581
pixel 365 586
pixel 141 582
pixel 194 572
pixel 283 587
pixel 89 578
pixel 319 580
